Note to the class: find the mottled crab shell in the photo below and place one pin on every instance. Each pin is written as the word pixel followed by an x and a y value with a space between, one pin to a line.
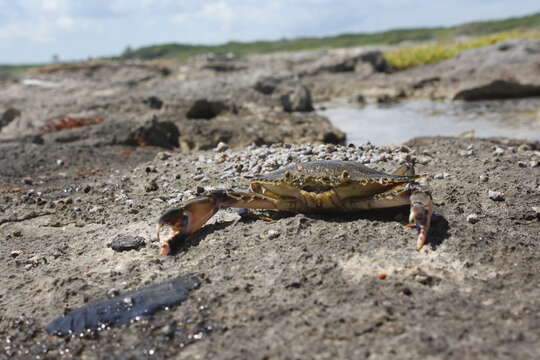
pixel 321 176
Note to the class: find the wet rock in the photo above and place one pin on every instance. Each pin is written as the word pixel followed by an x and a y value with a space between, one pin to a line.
pixel 117 311
pixel 297 99
pixel 205 109
pixel 127 242
pixel 496 195
pixel 498 89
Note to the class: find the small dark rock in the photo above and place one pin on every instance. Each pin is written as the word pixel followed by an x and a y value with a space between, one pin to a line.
pixel 127 242
pixel 204 109
pixel 38 140
pixel 406 291
pixel 496 195
pixel 8 116
pixel 267 85
pixel 153 102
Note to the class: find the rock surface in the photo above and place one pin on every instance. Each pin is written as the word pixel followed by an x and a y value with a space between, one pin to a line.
pixel 287 288
pixel 299 286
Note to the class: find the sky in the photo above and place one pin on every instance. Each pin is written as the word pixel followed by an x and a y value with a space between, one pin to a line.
pixel 33 31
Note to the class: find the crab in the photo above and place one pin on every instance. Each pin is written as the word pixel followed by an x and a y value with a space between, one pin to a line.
pixel 316 186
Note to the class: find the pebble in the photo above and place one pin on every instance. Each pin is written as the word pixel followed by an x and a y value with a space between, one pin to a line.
pixel 524 147
pixel 522 164
pixel 221 147
pixel 441 176
pixel 28 181
pixel 15 253
pixel 404 149
pixel 151 186
pixel 472 218
pixel 498 151
pixel 127 242
pixel 534 163
pixel 59 162
pixel 466 153
pixel 484 178
pixel 272 234
pixel 496 195
pixel 128 301
pixel 162 155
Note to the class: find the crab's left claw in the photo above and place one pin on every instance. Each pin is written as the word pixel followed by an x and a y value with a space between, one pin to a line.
pixel 421 212
pixel 187 219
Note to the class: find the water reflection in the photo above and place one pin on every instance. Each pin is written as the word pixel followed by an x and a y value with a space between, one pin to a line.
pixel 396 123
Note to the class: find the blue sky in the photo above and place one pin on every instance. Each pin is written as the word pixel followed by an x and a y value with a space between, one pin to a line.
pixel 33 30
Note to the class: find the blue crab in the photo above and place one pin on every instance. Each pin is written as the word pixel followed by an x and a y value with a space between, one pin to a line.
pixel 317 186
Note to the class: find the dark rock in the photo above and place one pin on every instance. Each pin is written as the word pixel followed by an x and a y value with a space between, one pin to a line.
pixel 426 82
pixel 297 99
pixel 204 109
pixel 153 132
pixel 377 61
pixel 38 140
pixel 498 89
pixel 127 242
pixel 120 310
pixel 8 116
pixel 336 137
pixel 267 85
pixel 153 102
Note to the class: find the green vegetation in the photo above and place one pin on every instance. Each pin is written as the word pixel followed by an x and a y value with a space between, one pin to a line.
pixel 183 51
pixel 7 70
pixel 406 57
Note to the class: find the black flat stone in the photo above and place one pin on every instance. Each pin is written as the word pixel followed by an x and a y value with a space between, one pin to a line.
pixel 121 309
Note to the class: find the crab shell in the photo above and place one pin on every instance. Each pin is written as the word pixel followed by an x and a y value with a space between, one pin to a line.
pixel 336 186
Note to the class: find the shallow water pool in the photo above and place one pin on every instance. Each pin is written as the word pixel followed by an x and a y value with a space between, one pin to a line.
pixel 397 123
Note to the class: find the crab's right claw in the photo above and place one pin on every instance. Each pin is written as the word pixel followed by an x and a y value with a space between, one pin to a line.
pixel 420 217
pixel 187 219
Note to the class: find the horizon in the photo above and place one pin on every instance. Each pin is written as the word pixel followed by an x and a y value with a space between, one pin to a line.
pixel 35 31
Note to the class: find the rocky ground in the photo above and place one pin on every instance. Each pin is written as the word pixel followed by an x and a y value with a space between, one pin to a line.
pixel 78 208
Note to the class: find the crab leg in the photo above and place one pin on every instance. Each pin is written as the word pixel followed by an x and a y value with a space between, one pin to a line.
pixel 195 213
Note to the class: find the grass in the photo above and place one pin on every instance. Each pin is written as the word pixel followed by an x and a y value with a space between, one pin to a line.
pixel 14 70
pixel 391 37
pixel 407 57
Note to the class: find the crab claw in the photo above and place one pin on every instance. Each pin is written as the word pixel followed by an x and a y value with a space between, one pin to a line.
pixel 420 217
pixel 187 219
